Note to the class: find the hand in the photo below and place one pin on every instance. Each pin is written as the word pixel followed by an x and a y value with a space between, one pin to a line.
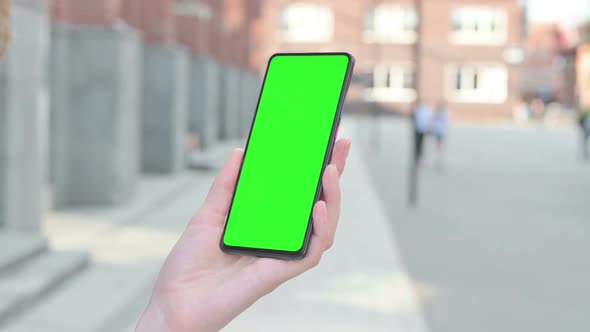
pixel 201 288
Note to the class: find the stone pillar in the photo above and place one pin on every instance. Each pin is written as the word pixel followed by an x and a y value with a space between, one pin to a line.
pixel 249 92
pixel 95 86
pixel 164 108
pixel 252 42
pixel 205 94
pixel 22 74
pixel 230 107
pixel 197 30
pixel 237 16
pixel 246 104
pixel 164 88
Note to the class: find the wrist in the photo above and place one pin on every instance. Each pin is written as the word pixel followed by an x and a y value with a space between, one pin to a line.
pixel 152 320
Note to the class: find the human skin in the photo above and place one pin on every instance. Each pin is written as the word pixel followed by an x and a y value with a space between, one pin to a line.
pixel 201 288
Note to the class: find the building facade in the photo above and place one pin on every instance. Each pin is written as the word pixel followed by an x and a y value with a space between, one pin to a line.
pixel 544 73
pixel 467 55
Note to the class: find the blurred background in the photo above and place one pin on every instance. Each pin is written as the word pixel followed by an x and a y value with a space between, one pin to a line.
pixel 115 116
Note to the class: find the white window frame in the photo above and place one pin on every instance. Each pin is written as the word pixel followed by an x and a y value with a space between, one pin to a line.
pixel 476 25
pixel 389 24
pixel 307 23
pixel 492 83
pixel 394 90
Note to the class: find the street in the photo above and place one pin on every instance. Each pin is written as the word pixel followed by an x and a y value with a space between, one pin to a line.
pixel 499 239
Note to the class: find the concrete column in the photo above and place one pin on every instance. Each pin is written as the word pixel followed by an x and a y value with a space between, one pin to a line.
pixel 164 86
pixel 164 107
pixel 197 27
pixel 254 87
pixel 22 74
pixel 229 110
pixel 95 86
pixel 204 100
pixel 249 92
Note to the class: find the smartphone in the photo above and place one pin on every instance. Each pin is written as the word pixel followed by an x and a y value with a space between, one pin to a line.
pixel 289 146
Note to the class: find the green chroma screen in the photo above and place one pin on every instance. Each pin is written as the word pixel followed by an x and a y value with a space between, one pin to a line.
pixel 289 141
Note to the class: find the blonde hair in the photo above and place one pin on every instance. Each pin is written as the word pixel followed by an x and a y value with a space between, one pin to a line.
pixel 4 25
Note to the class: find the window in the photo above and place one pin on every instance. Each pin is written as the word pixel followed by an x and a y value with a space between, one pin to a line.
pixel 391 24
pixel 477 84
pixel 479 25
pixel 192 9
pixel 390 83
pixel 306 22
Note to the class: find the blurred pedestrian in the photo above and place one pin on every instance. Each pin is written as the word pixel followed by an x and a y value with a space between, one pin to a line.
pixel 584 122
pixel 440 129
pixel 421 118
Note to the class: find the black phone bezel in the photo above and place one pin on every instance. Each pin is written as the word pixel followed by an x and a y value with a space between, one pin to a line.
pixel 299 254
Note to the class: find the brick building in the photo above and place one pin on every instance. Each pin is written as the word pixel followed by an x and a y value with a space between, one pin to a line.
pixel 543 75
pixel 550 67
pixel 466 49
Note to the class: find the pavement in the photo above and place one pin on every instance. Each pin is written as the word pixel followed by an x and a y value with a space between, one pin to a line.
pixel 126 244
pixel 499 239
pixel 361 285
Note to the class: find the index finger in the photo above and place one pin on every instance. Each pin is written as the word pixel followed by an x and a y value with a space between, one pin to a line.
pixel 340 153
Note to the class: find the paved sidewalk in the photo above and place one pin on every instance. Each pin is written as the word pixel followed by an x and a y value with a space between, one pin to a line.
pixel 127 245
pixel 361 284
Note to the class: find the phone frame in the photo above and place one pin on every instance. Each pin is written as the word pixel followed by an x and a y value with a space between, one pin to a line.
pixel 299 254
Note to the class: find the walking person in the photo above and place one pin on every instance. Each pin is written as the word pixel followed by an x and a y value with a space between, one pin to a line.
pixel 422 117
pixel 584 123
pixel 440 129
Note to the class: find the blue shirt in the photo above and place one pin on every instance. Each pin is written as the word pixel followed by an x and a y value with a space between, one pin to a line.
pixel 423 118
